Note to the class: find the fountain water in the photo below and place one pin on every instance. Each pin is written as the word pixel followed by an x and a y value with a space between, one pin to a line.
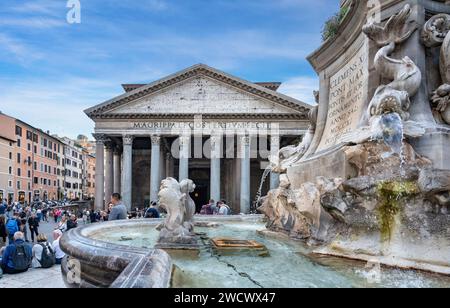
pixel 389 128
pixel 258 197
pixel 392 132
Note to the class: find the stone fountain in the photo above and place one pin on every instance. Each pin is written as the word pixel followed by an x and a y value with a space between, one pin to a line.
pixel 177 231
pixel 371 180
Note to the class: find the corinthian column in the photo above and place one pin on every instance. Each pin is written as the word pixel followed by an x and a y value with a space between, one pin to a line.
pixel 99 171
pixel 155 168
pixel 216 145
pixel 245 174
pixel 274 149
pixel 117 170
pixel 185 144
pixel 109 173
pixel 127 174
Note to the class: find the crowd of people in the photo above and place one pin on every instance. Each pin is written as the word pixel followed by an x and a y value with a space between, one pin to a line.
pixel 19 224
pixel 216 208
pixel 23 246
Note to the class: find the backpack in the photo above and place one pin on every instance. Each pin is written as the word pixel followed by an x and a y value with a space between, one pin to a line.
pixel 48 258
pixel 21 259
pixel 12 227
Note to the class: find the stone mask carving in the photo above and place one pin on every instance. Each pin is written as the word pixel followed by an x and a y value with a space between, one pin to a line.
pixel 436 32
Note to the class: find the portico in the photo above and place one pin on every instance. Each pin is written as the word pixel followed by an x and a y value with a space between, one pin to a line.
pixel 200 123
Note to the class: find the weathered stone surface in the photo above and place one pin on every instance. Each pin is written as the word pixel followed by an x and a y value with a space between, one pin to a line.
pixel 283 216
pixel 436 184
pixel 372 215
pixel 375 159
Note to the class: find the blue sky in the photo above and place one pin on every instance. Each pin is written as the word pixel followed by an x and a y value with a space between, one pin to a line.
pixel 50 70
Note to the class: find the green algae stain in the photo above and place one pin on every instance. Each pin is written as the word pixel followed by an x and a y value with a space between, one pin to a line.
pixel 391 194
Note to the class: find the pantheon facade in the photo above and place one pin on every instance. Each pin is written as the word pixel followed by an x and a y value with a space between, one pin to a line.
pixel 199 123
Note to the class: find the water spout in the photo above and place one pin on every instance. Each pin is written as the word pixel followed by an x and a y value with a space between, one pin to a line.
pixel 392 132
pixel 258 197
pixel 389 128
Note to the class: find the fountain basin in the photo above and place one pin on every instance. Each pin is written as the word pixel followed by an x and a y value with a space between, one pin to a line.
pixel 121 254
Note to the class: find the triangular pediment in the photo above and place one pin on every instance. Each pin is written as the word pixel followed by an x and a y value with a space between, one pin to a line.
pixel 201 95
pixel 200 90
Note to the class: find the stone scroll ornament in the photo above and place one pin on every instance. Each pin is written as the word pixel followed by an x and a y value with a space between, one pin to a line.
pixel 436 32
pixel 391 99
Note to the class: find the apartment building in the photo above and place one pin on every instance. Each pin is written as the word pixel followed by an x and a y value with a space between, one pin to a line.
pixel 7 154
pixel 73 169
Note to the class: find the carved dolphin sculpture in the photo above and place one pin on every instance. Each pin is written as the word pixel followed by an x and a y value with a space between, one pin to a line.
pixel 396 30
pixel 187 187
pixel 172 200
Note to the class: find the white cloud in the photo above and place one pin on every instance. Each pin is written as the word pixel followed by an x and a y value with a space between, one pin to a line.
pixel 33 22
pixel 47 7
pixel 301 88
pixel 20 51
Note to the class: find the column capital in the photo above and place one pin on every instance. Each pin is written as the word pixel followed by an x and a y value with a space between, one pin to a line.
pixel 128 139
pixel 245 139
pixel 184 140
pixel 275 138
pixel 156 139
pixel 100 138
pixel 215 140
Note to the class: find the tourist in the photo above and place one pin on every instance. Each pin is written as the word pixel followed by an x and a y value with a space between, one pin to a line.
pixel 43 254
pixel 17 256
pixel 93 217
pixel 3 233
pixel 62 225
pixel 33 224
pixel 72 222
pixel 104 216
pixel 22 222
pixel 216 207
pixel 224 209
pixel 3 208
pixel 45 214
pixel 9 211
pixel 88 216
pixel 152 211
pixel 119 210
pixel 12 226
pixel 208 208
pixel 84 217
pixel 59 254
pixel 56 215
pixel 39 214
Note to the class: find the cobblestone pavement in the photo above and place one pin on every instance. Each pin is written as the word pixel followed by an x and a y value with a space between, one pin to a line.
pixel 36 278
